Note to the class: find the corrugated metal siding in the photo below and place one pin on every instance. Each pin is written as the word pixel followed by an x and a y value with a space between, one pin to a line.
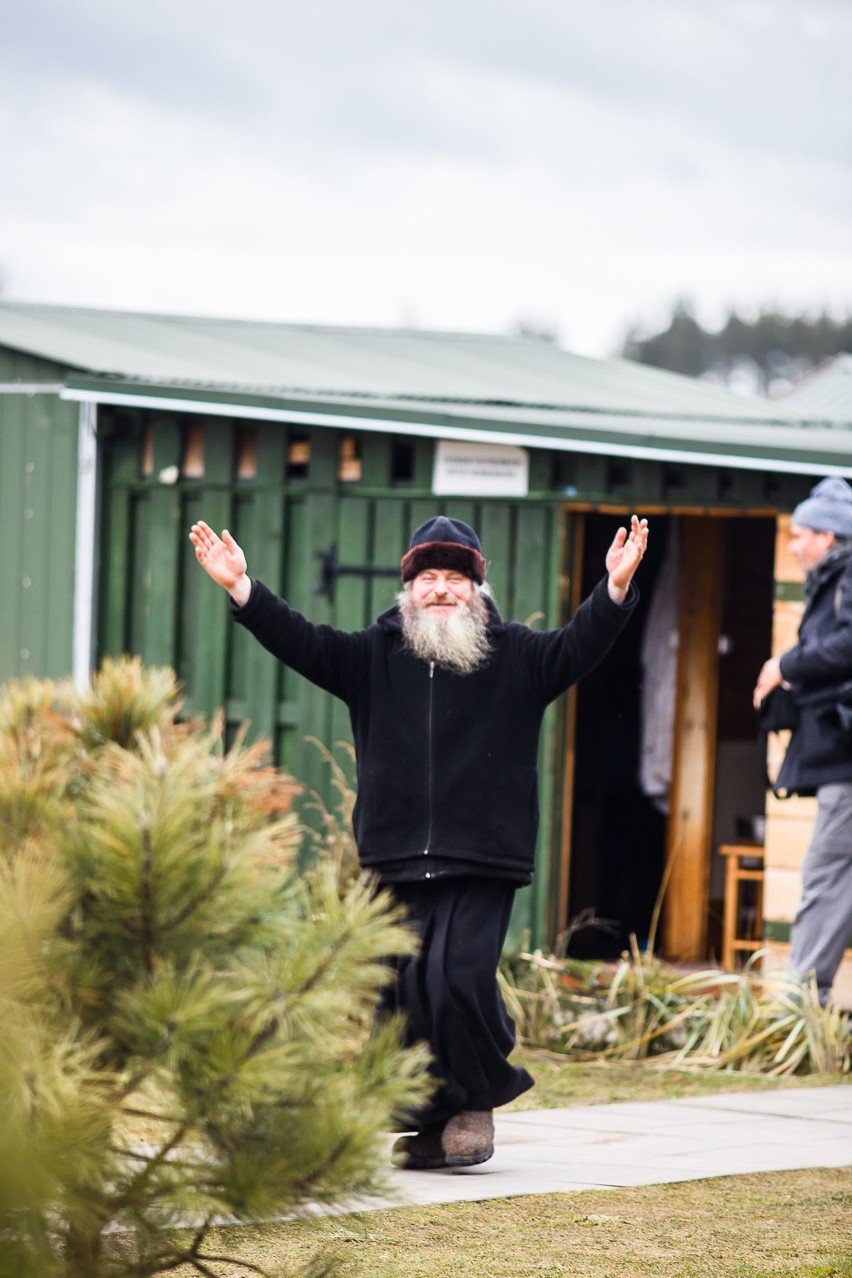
pixel 38 470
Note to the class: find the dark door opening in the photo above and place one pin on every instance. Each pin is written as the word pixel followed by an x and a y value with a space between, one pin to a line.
pixel 745 641
pixel 618 835
pixel 620 826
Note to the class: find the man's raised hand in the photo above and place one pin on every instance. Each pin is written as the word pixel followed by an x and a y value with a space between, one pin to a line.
pixel 223 559
pixel 624 556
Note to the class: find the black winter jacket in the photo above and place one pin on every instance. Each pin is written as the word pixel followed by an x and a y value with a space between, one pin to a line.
pixel 821 660
pixel 446 763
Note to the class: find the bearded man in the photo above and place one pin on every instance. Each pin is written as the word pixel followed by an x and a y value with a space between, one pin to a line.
pixel 446 702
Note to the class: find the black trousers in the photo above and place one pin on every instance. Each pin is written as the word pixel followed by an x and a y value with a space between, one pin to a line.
pixel 449 994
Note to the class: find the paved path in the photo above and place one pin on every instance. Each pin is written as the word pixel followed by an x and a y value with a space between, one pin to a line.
pixel 644 1143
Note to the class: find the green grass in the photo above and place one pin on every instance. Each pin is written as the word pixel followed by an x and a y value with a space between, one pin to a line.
pixel 762 1226
pixel 562 1081
pixel 784 1224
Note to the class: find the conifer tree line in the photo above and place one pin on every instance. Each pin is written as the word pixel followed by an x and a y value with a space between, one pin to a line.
pixel 774 348
pixel 187 1022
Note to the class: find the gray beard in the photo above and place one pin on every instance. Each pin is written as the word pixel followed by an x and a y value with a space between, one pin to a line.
pixel 459 642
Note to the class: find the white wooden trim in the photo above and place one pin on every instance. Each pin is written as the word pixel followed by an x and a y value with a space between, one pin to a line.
pixel 85 551
pixel 30 388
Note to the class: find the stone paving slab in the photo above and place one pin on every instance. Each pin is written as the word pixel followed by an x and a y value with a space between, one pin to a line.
pixel 642 1143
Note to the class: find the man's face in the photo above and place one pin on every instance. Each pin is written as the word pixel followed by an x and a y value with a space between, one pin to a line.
pixel 441 590
pixel 808 546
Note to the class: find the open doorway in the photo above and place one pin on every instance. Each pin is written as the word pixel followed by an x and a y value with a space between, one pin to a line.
pixel 618 836
pixel 745 641
pixel 630 722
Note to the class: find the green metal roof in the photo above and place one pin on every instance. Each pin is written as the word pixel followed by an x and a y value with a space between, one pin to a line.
pixel 824 392
pixel 451 385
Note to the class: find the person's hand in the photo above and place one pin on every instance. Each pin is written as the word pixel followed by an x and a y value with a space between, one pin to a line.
pixel 223 559
pixel 770 677
pixel 624 556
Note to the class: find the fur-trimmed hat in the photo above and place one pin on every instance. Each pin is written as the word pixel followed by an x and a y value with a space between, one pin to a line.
pixel 827 509
pixel 444 543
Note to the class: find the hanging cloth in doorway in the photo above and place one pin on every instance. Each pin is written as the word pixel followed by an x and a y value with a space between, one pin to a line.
pixel 659 677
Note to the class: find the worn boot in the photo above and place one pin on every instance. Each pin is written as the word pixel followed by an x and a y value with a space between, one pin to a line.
pixel 468 1138
pixel 421 1152
pixel 464 1141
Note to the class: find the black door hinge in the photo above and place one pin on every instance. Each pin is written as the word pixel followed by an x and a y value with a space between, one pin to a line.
pixel 330 570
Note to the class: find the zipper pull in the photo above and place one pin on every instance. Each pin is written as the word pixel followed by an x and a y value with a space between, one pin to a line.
pixel 431 669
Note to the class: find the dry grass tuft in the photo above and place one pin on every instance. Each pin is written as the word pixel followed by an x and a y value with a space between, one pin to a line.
pixel 707 1020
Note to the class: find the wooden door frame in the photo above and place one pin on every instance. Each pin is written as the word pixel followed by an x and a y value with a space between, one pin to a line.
pixel 566 790
pixel 689 848
pixel 685 887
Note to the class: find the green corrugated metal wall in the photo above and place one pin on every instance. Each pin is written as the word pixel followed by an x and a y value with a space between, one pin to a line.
pixel 38 485
pixel 155 601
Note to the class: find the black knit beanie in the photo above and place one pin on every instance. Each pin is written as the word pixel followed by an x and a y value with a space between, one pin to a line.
pixel 444 543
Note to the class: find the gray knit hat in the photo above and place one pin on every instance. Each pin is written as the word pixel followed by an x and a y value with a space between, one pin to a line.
pixel 828 509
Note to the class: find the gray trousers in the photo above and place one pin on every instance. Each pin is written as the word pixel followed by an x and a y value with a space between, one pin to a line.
pixel 823 924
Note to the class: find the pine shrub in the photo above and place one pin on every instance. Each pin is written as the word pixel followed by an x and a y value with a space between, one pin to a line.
pixel 187 1020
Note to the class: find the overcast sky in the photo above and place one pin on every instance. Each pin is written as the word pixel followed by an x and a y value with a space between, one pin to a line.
pixel 454 164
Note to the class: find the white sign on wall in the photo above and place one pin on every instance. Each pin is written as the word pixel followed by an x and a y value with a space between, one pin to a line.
pixel 480 470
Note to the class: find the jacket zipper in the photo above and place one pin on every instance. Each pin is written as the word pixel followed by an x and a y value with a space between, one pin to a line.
pixel 429 767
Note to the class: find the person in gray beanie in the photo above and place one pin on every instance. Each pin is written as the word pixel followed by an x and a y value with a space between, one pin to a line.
pixel 828 508
pixel 818 760
pixel 446 701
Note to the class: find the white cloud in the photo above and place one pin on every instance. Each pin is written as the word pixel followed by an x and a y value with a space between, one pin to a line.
pixel 457 166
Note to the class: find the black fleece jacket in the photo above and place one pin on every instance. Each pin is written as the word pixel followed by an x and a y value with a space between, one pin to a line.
pixel 820 661
pixel 447 763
